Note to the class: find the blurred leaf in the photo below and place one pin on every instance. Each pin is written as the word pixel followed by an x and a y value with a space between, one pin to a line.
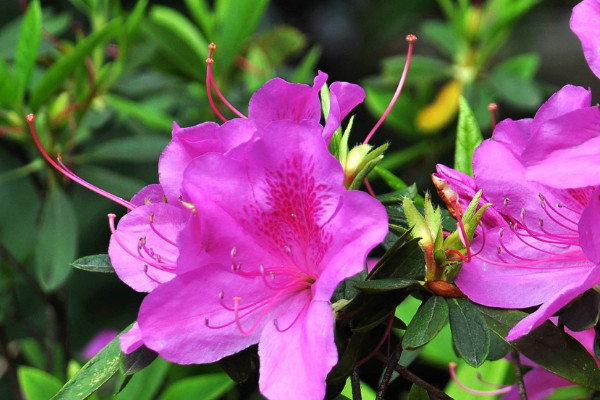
pixel 470 334
pixel 259 69
pixel 145 384
pixel 127 149
pixel 8 89
pixel 204 17
pixel 547 346
pixel 181 28
pixel 56 240
pixel 138 360
pixel 468 137
pixel 305 70
pixel 392 180
pixel 113 182
pixel 426 70
pixel 280 42
pixel 401 117
pixel 131 109
pixel 135 18
pixel 93 374
pixel 417 393
pixel 66 64
pixel 19 209
pixel 429 320
pixel 28 47
pixel 524 66
pixel 519 92
pixel 491 373
pixel 240 365
pixel 442 36
pixel 441 111
pixel 33 352
pixel 384 285
pixel 96 263
pixel 236 20
pixel 206 387
pixel 37 384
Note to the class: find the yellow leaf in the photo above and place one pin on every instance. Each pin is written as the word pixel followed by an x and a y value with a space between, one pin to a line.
pixel 443 109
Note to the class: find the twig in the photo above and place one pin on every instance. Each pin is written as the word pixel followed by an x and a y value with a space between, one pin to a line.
pixel 435 393
pixel 12 369
pixel 355 381
pixel 389 369
pixel 519 374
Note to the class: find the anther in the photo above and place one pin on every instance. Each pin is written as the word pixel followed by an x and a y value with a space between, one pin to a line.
pixel 411 38
pixel 293 215
pixel 287 250
pixel 493 107
pixel 233 252
pixel 506 201
pixel 221 294
pixel 152 218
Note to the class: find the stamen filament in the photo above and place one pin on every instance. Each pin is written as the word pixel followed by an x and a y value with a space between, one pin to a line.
pixel 211 83
pixel 160 235
pixel 304 306
pixel 60 167
pixel 411 39
pixel 452 368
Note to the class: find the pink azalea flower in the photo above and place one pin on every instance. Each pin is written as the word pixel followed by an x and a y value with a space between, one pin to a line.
pixel 274 234
pixel 98 342
pixel 544 249
pixel 584 23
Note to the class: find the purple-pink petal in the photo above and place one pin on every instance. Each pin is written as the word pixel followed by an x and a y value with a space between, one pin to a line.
pixel 589 228
pixel 584 23
pixel 131 340
pixel 539 384
pixel 344 97
pixel 98 342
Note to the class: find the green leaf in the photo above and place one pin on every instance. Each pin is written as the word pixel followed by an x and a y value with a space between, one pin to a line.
pixel 499 347
pixel 206 387
pixel 138 360
pixel 181 27
pixel 583 312
pixel 200 11
pixel 113 182
pixel 237 20
pixel 93 374
pixel 96 263
pixel 57 240
pixel 417 393
pixel 442 36
pixel 468 137
pixel 150 117
pixel 8 89
pixel 384 285
pixel 524 66
pixel 28 47
pixel 547 346
pixel 470 334
pixel 37 384
pixel 146 383
pixel 516 90
pixel 429 320
pixel 64 67
pixel 305 70
pixel 128 149
pixel 392 180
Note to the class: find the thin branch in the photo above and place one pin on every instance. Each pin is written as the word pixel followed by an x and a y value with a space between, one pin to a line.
pixel 355 380
pixel 389 369
pixel 434 393
pixel 519 374
pixel 12 368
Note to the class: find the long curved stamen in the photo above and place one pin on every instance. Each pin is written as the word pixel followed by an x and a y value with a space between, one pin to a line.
pixel 162 267
pixel 542 261
pixel 411 39
pixel 150 276
pixel 304 306
pixel 60 167
pixel 210 82
pixel 160 235
pixel 545 206
pixel 386 335
pixel 452 368
pixel 493 107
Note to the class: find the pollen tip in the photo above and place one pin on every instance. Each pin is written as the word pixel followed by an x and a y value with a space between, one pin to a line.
pixel 209 60
pixel 30 118
pixel 493 107
pixel 212 46
pixel 411 38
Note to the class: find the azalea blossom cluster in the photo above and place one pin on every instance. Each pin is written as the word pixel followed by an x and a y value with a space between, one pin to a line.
pixel 539 242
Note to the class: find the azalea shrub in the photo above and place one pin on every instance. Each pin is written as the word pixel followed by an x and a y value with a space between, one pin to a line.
pixel 273 257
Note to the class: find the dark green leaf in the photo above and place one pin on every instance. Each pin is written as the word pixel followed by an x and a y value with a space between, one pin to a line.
pixel 181 28
pixel 499 347
pixel 468 137
pixel 394 182
pixel 239 366
pixel 93 374
pixel 145 384
pixel 37 384
pixel 8 89
pixel 206 387
pixel 57 240
pixel 518 91
pixel 417 393
pixel 597 342
pixel 343 369
pixel 60 71
pixel 470 334
pixel 138 360
pixel 547 346
pixel 128 149
pixel 111 181
pixel 583 312
pixel 28 47
pixel 384 285
pixel 398 196
pixel 442 36
pixel 95 263
pixel 429 320
pixel 524 66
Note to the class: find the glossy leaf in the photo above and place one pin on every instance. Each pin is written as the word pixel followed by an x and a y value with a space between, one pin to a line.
pixel 56 240
pixel 384 285
pixel 468 137
pixel 547 346
pixel 583 312
pixel 28 47
pixel 207 387
pixel 37 384
pixel 470 334
pixel 93 374
pixel 429 320
pixel 95 263
pixel 64 67
pixel 138 360
pixel 499 348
